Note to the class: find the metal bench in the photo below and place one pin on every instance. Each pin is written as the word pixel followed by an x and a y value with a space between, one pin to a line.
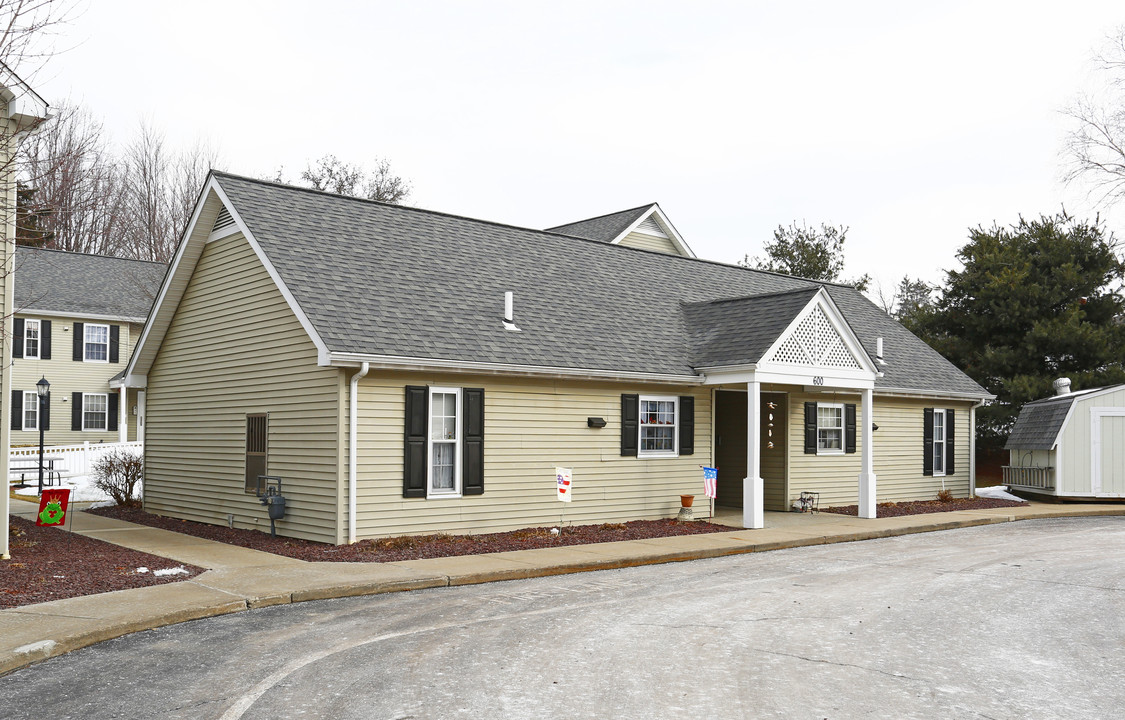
pixel 23 469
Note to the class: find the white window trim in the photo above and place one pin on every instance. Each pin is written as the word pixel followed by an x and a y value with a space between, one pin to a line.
pixel 430 492
pixel 86 343
pixel 843 430
pixel 34 396
pixel 641 452
pixel 38 339
pixel 936 442
pixel 85 396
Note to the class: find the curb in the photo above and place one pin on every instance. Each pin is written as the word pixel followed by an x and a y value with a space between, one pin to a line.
pixel 20 657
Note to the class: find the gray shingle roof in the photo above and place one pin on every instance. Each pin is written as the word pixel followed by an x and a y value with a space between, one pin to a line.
pixel 1039 423
pixel 379 279
pixel 738 331
pixel 605 228
pixel 66 282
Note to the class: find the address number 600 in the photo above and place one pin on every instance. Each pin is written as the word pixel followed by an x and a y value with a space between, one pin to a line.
pixel 818 380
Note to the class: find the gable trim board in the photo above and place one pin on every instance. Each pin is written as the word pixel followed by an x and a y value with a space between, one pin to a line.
pixel 674 236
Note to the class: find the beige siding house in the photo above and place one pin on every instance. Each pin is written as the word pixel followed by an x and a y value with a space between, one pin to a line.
pixel 77 318
pixel 405 371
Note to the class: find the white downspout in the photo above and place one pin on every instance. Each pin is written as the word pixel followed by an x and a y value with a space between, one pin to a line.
pixel 353 411
pixel 973 448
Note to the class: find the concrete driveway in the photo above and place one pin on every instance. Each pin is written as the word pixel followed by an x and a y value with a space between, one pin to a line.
pixel 1016 620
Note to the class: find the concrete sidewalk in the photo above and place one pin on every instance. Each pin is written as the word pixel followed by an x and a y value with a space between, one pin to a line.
pixel 239 578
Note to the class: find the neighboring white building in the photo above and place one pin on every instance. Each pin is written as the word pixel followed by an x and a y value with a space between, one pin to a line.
pixel 1071 445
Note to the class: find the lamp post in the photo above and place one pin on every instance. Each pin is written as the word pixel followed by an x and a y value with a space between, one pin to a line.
pixel 42 388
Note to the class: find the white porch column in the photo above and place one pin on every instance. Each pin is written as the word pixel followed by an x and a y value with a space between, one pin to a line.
pixel 867 470
pixel 753 497
pixel 123 416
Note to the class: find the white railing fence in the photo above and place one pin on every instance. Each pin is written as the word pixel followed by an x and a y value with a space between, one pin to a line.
pixel 1033 477
pixel 71 460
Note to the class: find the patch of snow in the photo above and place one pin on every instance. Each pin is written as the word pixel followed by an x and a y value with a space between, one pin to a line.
pixel 170 571
pixel 997 492
pixel 45 646
pixel 142 570
pixel 82 489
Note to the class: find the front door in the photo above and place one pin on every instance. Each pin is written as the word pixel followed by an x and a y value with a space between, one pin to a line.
pixel 730 448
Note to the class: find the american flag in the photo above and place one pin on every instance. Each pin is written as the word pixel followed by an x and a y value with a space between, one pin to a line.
pixel 710 481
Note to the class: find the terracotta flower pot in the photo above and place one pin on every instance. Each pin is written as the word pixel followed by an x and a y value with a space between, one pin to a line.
pixel 686 500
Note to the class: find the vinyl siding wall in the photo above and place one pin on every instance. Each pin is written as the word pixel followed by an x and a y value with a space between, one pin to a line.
pixel 234 347
pixel 1076 469
pixel 530 427
pixel 68 376
pixel 649 242
pixel 897 457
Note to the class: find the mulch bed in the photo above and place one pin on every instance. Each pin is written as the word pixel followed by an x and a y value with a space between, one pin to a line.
pixel 52 564
pixel 416 547
pixel 890 509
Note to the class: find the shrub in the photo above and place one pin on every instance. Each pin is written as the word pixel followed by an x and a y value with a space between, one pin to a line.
pixel 117 474
pixel 945 495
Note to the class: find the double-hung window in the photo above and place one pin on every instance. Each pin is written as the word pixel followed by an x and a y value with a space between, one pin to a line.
pixel 659 426
pixel 829 428
pixel 939 441
pixel 95 411
pixel 31 330
pixel 444 476
pixel 96 343
pixel 30 410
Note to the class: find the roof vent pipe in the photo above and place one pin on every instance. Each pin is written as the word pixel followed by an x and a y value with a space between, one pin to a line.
pixel 879 351
pixel 1062 386
pixel 509 316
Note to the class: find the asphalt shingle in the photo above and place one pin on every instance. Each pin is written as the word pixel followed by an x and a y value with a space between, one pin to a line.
pixel 604 228
pixel 57 281
pixel 383 279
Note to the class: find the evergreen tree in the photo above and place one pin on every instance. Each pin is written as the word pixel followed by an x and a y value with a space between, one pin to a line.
pixel 1033 302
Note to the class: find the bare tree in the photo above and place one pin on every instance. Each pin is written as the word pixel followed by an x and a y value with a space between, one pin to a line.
pixel 333 175
pixel 27 30
pixel 76 184
pixel 1095 148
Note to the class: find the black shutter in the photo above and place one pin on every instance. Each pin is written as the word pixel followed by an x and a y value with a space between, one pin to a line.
pixel 414 462
pixel 687 425
pixel 114 342
pixel 17 339
pixel 114 411
pixel 45 413
pixel 928 442
pixel 630 416
pixel 472 441
pixel 849 428
pixel 949 470
pixel 76 411
pixel 810 428
pixel 44 339
pixel 17 409
pixel 79 338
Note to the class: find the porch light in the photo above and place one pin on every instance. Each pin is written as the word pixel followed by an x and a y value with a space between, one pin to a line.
pixel 42 387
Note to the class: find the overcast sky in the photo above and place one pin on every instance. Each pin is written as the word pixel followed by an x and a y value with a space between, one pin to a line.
pixel 907 122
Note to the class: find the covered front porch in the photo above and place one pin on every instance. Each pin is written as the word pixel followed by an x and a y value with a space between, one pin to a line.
pixel 799 392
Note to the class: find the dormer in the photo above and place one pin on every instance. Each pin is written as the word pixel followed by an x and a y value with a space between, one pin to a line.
pixel 645 227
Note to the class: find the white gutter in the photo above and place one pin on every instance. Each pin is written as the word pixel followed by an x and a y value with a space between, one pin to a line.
pixel 973 448
pixel 353 412
pixel 391 362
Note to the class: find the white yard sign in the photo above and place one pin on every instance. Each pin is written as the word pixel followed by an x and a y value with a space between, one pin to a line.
pixel 563 479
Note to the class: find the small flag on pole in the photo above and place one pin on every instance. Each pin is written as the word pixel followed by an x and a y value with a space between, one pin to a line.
pixel 563 479
pixel 710 482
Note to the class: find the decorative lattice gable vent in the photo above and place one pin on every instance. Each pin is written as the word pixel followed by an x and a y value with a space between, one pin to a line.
pixel 815 342
pixel 223 220
pixel 649 226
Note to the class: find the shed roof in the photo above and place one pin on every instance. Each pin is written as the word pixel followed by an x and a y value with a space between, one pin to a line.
pixel 69 283
pixel 1038 425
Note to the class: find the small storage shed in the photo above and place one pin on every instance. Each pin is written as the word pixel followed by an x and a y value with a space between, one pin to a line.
pixel 1071 445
